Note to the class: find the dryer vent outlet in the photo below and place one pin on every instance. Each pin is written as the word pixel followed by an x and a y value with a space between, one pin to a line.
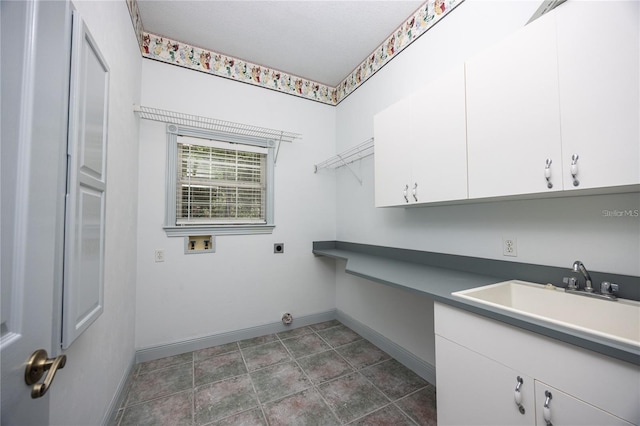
pixel 287 318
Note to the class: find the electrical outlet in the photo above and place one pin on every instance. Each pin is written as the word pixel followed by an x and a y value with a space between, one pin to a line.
pixel 510 246
pixel 159 255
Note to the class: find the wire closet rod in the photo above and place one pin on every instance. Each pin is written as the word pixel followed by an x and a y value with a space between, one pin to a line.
pixel 214 124
pixel 348 156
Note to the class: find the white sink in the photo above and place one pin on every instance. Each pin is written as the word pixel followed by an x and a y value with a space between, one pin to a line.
pixel 617 320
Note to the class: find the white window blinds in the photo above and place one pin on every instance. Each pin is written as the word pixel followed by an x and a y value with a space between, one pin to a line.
pixel 220 183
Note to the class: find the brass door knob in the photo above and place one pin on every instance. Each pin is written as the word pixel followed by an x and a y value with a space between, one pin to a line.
pixel 38 363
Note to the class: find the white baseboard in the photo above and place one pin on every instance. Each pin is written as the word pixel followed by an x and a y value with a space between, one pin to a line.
pixel 118 397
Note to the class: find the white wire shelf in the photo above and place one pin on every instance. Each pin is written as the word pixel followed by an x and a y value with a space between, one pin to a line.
pixel 348 156
pixel 214 124
pixel 355 153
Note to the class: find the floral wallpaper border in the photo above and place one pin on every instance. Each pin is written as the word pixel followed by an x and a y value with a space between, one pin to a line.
pixel 154 46
pixel 136 20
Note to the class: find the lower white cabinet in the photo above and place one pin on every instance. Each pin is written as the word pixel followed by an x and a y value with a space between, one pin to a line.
pixel 560 408
pixel 475 390
pixel 484 368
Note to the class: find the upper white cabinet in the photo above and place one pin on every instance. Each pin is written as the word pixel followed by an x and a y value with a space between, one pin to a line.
pixel 564 89
pixel 554 107
pixel 513 114
pixel 420 145
pixel 598 64
pixel 393 130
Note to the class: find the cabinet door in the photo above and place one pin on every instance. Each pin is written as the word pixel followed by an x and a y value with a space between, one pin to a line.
pixel 392 137
pixel 567 410
pixel 513 117
pixel 439 155
pixel 475 390
pixel 598 63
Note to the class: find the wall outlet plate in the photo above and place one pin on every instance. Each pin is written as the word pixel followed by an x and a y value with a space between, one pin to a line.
pixel 278 248
pixel 510 246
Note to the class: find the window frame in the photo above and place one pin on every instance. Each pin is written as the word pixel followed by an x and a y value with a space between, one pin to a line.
pixel 170 226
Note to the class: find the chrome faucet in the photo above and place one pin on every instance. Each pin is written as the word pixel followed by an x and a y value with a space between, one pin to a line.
pixel 607 291
pixel 579 267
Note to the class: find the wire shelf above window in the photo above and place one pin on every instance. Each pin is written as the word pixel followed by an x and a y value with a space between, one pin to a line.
pixel 214 124
pixel 355 153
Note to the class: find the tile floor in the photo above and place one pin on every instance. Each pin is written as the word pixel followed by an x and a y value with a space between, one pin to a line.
pixel 324 374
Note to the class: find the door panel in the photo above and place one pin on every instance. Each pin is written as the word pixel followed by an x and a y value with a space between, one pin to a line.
pixel 599 68
pixel 476 390
pixel 392 129
pixel 564 409
pixel 513 114
pixel 35 74
pixel 84 239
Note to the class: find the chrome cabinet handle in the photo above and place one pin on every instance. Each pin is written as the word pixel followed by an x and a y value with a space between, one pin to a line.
pixel 405 193
pixel 547 173
pixel 518 395
pixel 415 191
pixel 574 169
pixel 546 410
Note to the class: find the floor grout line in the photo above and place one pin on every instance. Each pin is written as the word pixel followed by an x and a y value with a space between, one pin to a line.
pixel 311 385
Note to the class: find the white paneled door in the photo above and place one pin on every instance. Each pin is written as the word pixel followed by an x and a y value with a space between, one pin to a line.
pixel 35 93
pixel 49 121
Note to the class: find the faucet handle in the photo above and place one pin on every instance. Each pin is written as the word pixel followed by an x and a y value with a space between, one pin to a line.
pixel 571 283
pixel 608 288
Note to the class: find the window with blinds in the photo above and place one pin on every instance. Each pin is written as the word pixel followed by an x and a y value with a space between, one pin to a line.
pixel 220 183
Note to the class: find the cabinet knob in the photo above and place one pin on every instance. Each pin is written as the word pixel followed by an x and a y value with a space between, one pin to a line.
pixel 405 193
pixel 547 173
pixel 574 169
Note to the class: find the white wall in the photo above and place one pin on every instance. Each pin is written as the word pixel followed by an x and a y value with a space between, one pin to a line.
pixel 243 284
pixel 99 359
pixel 550 232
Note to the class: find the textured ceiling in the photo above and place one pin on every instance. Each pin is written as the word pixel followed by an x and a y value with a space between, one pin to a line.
pixel 319 40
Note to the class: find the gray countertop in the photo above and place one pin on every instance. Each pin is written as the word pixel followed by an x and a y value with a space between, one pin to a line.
pixel 439 282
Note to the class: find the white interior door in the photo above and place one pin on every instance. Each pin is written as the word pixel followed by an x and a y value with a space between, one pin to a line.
pixel 35 67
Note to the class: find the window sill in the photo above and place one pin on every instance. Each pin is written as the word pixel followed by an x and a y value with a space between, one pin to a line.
pixel 185 231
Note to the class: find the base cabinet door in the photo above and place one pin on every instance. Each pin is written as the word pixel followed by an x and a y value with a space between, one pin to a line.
pixel 554 407
pixel 476 390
